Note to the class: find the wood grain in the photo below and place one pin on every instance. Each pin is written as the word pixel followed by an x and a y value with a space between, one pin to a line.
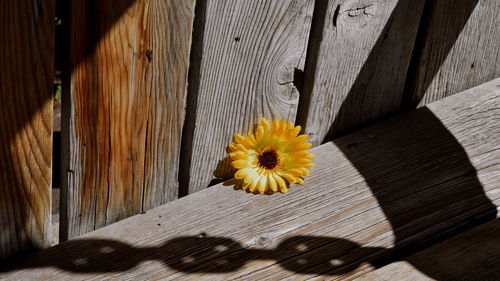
pixel 378 191
pixel 251 51
pixel 458 48
pixel 26 77
pixel 474 255
pixel 357 64
pixel 129 64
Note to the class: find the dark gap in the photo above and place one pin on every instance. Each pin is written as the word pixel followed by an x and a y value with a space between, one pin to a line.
pixel 56 125
pixel 192 98
pixel 308 76
pixel 438 36
pixel 336 16
pixel 216 181
pixel 411 74
pixel 298 80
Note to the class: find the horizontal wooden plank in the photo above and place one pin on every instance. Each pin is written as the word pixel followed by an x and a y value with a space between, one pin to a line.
pixel 472 255
pixel 374 193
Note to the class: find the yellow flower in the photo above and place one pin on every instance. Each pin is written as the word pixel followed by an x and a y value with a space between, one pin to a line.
pixel 272 158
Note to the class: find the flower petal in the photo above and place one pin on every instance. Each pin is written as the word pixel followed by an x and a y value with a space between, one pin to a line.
pixel 302 146
pixel 253 184
pixel 237 147
pixel 239 164
pixel 272 183
pixel 238 155
pixel 288 177
pixel 292 133
pixel 251 140
pixel 262 184
pixel 265 123
pixel 281 183
pixel 243 173
pixel 260 132
pixel 299 140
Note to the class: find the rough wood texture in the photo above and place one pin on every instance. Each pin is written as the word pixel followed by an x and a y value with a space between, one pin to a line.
pixel 458 48
pixel 357 64
pixel 374 193
pixel 129 63
pixel 250 53
pixel 472 255
pixel 26 77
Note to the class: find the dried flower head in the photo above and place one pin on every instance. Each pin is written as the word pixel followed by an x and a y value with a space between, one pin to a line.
pixel 272 158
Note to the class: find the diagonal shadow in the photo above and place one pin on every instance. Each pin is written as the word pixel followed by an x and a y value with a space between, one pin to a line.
pixel 25 124
pixel 441 24
pixel 86 24
pixel 391 173
pixel 434 32
pixel 385 164
pixel 25 103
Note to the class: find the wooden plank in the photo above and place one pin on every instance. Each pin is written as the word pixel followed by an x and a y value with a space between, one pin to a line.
pixel 458 48
pixel 129 65
pixel 251 51
pixel 26 81
pixel 382 189
pixel 357 64
pixel 472 255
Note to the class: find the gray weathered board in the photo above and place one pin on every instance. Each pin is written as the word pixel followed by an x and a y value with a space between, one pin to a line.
pixel 123 120
pixel 26 85
pixel 385 188
pixel 458 48
pixel 472 255
pixel 357 64
pixel 249 54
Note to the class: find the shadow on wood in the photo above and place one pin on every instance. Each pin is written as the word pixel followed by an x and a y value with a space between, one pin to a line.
pixel 434 185
pixel 26 85
pixel 396 178
pixel 366 90
pixel 441 25
pixel 26 81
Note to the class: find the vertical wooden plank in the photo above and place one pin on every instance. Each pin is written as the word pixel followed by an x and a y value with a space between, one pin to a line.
pixel 250 53
pixel 170 33
pixel 458 48
pixel 357 64
pixel 26 81
pixel 129 64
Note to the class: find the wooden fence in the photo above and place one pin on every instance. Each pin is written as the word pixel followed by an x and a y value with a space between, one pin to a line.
pixel 155 89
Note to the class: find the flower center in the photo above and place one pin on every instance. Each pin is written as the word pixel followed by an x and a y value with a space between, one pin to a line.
pixel 268 160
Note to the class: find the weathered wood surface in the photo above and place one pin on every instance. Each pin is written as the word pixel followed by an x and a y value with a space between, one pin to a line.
pixel 472 255
pixel 249 54
pixel 26 77
pixel 129 65
pixel 458 48
pixel 357 64
pixel 382 189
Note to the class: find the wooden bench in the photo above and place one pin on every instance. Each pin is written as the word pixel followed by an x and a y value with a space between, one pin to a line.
pixel 375 202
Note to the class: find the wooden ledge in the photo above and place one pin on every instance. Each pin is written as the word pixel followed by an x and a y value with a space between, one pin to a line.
pixel 472 255
pixel 376 195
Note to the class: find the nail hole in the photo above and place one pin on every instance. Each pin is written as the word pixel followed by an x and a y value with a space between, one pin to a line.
pixel 149 55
